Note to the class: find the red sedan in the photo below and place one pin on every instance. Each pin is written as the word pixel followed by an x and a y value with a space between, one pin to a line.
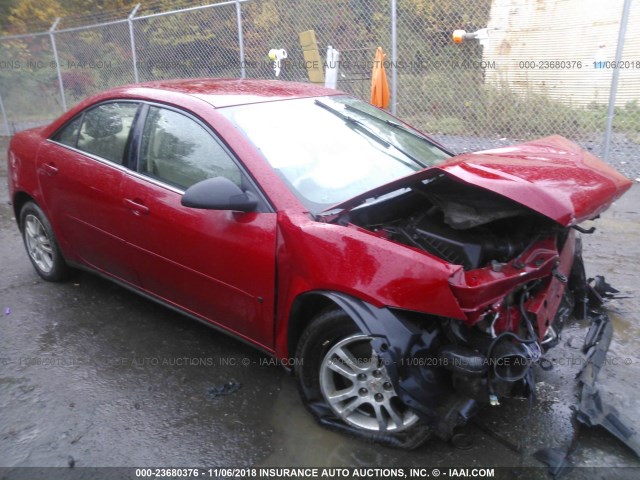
pixel 406 287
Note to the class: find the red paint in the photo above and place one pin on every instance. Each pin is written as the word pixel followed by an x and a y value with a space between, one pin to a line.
pixel 482 290
pixel 243 271
pixel 218 265
pixel 85 199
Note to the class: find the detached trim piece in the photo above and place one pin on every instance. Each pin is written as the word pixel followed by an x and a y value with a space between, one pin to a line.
pixel 592 410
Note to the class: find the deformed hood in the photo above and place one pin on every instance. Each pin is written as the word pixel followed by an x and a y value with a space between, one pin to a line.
pixel 552 176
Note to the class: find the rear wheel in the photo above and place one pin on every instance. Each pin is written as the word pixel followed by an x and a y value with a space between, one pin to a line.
pixel 41 244
pixel 342 378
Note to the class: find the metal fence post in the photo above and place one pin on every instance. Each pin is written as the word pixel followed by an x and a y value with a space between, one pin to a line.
pixel 614 78
pixel 394 56
pixel 57 60
pixel 4 116
pixel 243 73
pixel 134 57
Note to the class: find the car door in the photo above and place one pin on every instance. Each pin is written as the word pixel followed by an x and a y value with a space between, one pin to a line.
pixel 218 265
pixel 80 173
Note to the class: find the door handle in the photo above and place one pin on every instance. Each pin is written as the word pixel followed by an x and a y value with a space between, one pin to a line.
pixel 50 168
pixel 136 206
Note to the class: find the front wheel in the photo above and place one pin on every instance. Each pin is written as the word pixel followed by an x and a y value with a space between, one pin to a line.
pixel 343 380
pixel 41 244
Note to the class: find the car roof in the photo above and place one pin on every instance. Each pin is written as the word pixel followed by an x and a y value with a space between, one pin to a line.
pixel 228 92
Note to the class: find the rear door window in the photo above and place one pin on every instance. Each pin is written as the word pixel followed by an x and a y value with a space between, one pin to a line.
pixel 105 130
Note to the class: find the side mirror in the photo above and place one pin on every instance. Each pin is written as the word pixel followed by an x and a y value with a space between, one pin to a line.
pixel 219 193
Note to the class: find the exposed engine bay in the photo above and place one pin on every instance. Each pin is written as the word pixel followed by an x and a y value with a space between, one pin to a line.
pixel 462 225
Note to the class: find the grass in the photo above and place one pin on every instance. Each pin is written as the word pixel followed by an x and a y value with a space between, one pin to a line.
pixel 464 105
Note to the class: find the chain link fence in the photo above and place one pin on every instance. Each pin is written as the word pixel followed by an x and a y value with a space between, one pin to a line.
pixel 92 59
pixel 197 42
pixel 543 67
pixel 29 94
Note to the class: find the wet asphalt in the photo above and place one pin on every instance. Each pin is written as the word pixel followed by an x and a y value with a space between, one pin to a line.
pixel 93 375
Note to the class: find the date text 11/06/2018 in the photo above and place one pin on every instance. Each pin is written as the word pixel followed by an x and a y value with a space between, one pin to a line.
pixel 578 64
pixel 300 473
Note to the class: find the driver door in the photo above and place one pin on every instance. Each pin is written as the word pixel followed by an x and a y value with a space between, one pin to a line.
pixel 217 265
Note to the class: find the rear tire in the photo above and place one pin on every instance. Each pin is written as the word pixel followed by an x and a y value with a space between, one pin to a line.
pixel 343 381
pixel 41 244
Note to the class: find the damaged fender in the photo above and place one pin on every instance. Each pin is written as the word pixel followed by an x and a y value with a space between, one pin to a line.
pixel 403 346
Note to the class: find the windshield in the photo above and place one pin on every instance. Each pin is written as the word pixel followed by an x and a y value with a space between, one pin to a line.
pixel 333 148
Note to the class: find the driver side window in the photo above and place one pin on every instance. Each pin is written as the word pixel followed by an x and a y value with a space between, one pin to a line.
pixel 179 151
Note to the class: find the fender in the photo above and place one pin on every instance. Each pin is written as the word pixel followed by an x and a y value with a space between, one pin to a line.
pixel 404 345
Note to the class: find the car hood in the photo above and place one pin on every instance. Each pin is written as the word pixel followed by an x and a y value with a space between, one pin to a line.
pixel 552 176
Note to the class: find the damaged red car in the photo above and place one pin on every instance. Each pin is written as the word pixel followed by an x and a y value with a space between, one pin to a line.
pixel 409 287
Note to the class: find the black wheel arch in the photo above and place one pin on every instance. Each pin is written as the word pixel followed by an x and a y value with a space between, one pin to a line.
pixel 60 269
pixel 398 335
pixel 383 322
pixel 19 200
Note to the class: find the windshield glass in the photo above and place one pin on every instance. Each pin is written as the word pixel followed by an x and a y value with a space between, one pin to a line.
pixel 333 148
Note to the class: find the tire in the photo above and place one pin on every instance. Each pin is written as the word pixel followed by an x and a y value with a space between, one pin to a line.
pixel 41 244
pixel 345 385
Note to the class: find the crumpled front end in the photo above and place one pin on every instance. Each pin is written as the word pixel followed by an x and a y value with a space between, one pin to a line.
pixel 522 276
pixel 514 312
pixel 505 222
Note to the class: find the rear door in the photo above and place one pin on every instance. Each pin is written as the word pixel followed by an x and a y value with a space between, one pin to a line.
pixel 80 173
pixel 218 265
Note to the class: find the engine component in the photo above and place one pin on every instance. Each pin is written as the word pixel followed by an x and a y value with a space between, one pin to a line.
pixel 463 360
pixel 510 361
pixel 472 249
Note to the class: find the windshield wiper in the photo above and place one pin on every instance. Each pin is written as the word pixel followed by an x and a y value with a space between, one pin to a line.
pixel 371 134
pixel 398 127
pixel 391 123
pixel 356 123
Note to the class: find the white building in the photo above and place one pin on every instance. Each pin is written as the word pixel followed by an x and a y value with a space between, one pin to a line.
pixel 555 47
